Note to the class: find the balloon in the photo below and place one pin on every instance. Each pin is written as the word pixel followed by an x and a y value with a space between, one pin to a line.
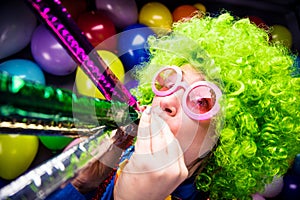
pixel 130 82
pixel 157 16
pixel 16 151
pixel 25 69
pixel 131 45
pixel 281 34
pixel 86 87
pixel 55 142
pixel 50 54
pixel 274 188
pixel 296 165
pixel 183 12
pixel 16 27
pixel 16 154
pixel 122 13
pixel 97 27
pixel 291 189
pixel 257 197
pixel 75 8
pixel 258 22
pixel 200 7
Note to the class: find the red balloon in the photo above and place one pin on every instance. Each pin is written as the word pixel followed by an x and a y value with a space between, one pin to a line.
pixel 75 8
pixel 258 22
pixel 97 27
pixel 183 12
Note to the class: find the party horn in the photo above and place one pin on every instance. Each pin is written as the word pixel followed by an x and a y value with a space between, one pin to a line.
pixel 61 24
pixel 28 107
pixel 46 178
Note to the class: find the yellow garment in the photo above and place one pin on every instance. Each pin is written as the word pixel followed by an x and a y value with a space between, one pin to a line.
pixel 169 198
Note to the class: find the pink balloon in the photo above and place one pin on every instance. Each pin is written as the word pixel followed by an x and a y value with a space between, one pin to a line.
pixel 122 13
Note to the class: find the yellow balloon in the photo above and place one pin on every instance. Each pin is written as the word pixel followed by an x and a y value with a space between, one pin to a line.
pixel 281 35
pixel 157 16
pixel 200 7
pixel 86 87
pixel 16 154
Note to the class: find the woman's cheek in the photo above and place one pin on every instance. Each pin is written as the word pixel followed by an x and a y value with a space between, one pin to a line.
pixel 176 124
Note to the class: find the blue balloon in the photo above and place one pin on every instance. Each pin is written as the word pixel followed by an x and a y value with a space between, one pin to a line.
pixel 291 188
pixel 296 165
pixel 25 69
pixel 296 72
pixel 132 45
pixel 16 27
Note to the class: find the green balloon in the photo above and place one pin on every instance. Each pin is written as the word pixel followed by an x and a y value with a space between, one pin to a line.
pixel 55 142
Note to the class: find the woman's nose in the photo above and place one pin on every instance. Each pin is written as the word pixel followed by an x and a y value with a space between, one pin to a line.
pixel 170 104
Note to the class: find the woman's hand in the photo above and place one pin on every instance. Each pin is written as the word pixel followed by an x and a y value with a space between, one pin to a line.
pixel 106 157
pixel 156 167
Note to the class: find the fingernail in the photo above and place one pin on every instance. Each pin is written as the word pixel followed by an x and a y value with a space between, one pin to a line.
pixel 148 110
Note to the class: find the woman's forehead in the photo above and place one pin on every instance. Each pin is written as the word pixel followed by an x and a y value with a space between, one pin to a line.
pixel 190 74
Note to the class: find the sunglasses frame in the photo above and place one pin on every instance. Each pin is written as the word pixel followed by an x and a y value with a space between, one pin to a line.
pixel 179 83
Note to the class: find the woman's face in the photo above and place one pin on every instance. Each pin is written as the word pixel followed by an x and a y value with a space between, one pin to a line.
pixel 189 132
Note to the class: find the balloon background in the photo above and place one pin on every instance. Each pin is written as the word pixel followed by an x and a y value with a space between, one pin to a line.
pixel 132 45
pixel 86 87
pixel 16 27
pixel 50 54
pixel 29 50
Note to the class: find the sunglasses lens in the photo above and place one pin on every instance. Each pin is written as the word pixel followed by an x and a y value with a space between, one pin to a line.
pixel 165 80
pixel 201 99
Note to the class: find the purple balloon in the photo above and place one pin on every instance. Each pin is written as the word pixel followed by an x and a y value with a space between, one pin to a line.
pixel 50 54
pixel 274 188
pixel 122 13
pixel 16 27
pixel 257 197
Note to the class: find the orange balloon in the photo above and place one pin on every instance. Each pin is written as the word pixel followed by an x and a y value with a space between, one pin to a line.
pixel 183 12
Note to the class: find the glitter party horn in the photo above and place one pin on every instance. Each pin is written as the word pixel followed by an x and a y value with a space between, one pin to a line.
pixel 46 178
pixel 60 22
pixel 31 108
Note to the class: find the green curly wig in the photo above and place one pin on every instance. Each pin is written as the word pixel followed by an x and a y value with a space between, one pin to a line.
pixel 260 134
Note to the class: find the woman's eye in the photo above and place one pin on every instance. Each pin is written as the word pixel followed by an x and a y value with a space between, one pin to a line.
pixel 200 99
pixel 202 105
pixel 164 86
pixel 203 102
pixel 169 85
